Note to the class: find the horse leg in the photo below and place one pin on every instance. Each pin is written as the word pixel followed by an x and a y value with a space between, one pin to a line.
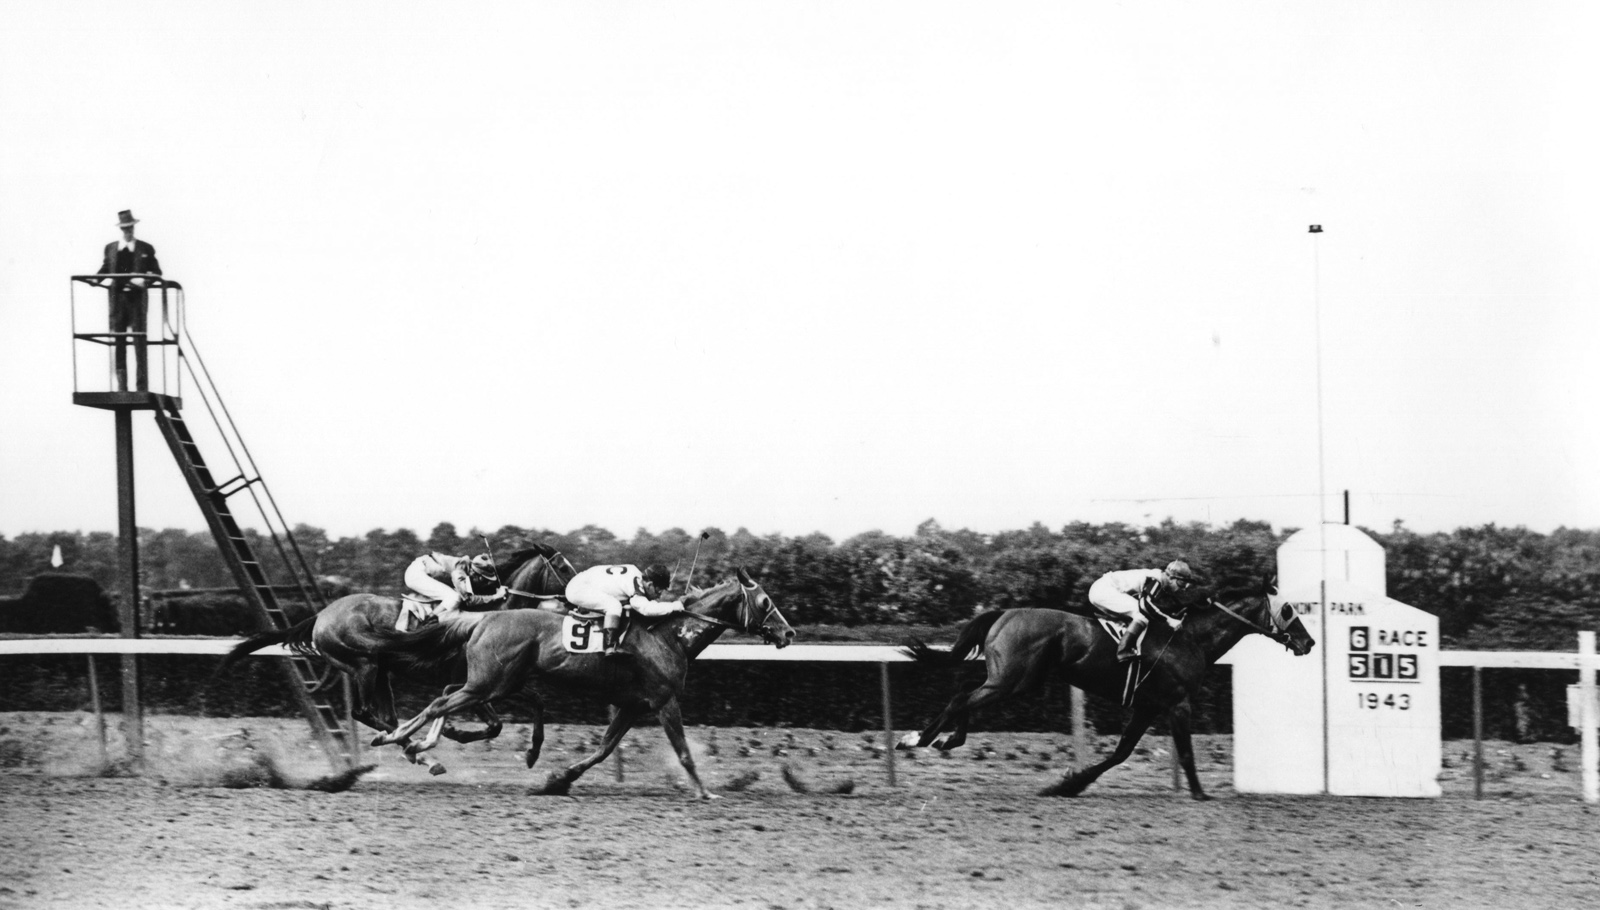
pixel 918 740
pixel 366 706
pixel 416 752
pixel 465 697
pixel 491 728
pixel 960 709
pixel 1185 748
pixel 1076 782
pixel 559 784
pixel 671 716
pixel 486 715
pixel 536 739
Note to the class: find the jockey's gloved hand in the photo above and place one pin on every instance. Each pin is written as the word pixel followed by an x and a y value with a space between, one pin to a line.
pixel 502 593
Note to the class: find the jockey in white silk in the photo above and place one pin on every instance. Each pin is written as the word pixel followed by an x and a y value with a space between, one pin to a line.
pixel 455 581
pixel 1119 595
pixel 608 589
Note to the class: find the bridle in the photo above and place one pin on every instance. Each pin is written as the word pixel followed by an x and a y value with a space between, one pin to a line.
pixel 1280 628
pixel 747 610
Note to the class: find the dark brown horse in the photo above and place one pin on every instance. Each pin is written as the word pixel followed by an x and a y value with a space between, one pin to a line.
pixel 505 651
pixel 1025 646
pixel 346 631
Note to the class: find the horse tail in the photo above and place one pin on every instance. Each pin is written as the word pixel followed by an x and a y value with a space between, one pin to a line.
pixel 969 641
pixel 426 648
pixel 297 638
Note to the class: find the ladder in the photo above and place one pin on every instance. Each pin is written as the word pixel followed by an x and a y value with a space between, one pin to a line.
pixel 326 724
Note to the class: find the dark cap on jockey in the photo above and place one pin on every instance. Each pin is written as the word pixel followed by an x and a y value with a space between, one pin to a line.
pixel 483 566
pixel 1178 570
pixel 658 575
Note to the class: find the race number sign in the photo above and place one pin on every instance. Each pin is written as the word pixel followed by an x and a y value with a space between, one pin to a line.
pixel 1359 716
pixel 581 636
pixel 1383 698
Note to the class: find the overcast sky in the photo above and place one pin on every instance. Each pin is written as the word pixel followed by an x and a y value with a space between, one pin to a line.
pixel 827 267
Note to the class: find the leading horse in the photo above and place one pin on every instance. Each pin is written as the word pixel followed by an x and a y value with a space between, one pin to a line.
pixel 1024 646
pixel 345 632
pixel 505 651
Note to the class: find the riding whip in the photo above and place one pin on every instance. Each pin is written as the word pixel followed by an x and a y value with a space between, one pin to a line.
pixel 490 551
pixel 690 577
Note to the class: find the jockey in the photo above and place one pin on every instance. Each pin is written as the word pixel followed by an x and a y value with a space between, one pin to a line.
pixel 1121 596
pixel 455 581
pixel 607 589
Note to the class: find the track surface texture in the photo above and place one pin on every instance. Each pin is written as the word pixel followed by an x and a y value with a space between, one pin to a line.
pixel 202 828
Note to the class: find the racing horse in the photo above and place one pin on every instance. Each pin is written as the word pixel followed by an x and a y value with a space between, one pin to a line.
pixel 1024 646
pixel 345 632
pixel 504 651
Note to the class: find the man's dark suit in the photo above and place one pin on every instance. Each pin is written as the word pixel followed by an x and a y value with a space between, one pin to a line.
pixel 128 302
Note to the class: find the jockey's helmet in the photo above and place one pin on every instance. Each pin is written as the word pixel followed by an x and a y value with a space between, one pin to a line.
pixel 658 575
pixel 1179 571
pixel 483 566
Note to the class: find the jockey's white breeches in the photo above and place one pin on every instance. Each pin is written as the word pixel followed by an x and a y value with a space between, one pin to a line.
pixel 418 580
pixel 1105 597
pixel 589 597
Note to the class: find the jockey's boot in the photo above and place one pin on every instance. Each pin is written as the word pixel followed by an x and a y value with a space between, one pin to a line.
pixel 608 637
pixel 1128 648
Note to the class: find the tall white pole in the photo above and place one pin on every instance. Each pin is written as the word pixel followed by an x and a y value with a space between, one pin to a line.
pixel 1322 497
pixel 1588 717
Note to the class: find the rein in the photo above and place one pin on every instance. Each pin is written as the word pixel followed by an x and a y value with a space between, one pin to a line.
pixel 1274 633
pixel 745 592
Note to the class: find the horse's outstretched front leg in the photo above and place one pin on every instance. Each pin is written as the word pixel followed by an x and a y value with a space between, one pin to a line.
pixel 1185 748
pixel 558 784
pixel 1075 783
pixel 671 716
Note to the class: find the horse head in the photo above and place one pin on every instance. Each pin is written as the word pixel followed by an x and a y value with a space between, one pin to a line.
pixel 759 615
pixel 1254 608
pixel 752 608
pixel 536 570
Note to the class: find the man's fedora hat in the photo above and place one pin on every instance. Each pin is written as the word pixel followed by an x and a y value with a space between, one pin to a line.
pixel 125 218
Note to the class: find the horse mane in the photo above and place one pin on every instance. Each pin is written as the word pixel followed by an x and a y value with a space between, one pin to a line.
pixel 1236 589
pixel 523 556
pixel 695 596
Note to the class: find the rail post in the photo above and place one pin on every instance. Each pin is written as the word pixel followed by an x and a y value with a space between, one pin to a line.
pixel 99 711
pixel 888 722
pixel 1080 733
pixel 1588 717
pixel 1477 732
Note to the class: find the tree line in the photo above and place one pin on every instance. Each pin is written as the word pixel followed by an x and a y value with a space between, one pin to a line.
pixel 1490 586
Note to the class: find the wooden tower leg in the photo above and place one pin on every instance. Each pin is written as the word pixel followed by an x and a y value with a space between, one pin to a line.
pixel 128 566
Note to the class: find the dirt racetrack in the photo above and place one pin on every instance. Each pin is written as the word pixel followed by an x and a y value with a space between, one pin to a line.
pixel 962 831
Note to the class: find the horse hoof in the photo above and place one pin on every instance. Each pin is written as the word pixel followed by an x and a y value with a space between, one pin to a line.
pixel 529 757
pixel 436 769
pixel 380 741
pixel 1201 797
pixel 909 741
